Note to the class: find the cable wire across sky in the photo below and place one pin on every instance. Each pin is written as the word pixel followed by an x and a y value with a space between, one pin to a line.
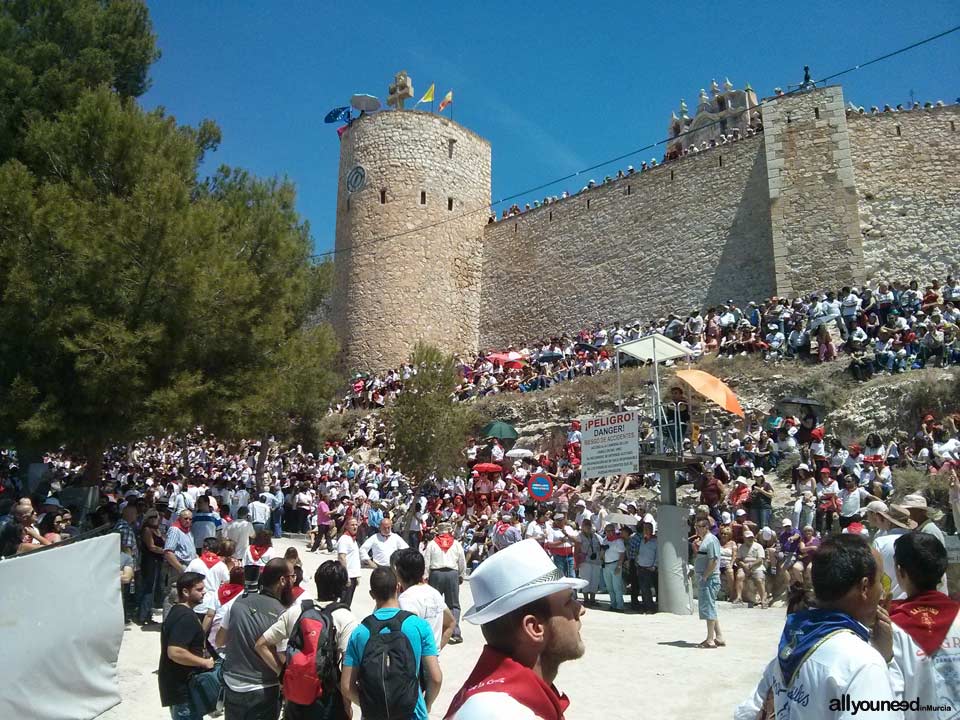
pixel 570 176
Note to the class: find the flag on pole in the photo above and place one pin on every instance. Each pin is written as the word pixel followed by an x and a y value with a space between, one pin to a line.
pixel 427 96
pixel 447 99
pixel 338 114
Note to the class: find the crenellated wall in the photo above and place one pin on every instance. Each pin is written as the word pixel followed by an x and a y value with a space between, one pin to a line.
pixel 821 199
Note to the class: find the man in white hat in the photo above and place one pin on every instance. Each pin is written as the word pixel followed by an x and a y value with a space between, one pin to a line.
pixel 916 505
pixel 892 521
pixel 530 618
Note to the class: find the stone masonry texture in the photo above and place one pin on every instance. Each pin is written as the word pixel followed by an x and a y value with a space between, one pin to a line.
pixel 908 185
pixel 821 199
pixel 813 196
pixel 682 235
pixel 399 280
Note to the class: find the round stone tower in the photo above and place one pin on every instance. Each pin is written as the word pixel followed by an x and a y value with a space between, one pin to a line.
pixel 412 202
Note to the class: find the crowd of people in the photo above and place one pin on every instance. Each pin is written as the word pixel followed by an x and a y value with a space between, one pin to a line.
pixel 197 517
pixel 889 328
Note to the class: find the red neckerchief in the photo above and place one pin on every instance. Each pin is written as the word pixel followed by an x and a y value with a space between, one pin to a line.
pixel 926 617
pixel 258 551
pixel 228 591
pixel 444 541
pixel 296 592
pixel 495 672
pixel 209 559
pixel 176 524
pixel 501 528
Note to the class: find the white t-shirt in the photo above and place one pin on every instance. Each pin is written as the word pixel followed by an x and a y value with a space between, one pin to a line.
pixel 346 545
pixel 935 679
pixel 486 705
pixel 612 550
pixel 842 664
pixel 884 545
pixel 240 531
pixel 279 633
pixel 248 558
pixel 381 548
pixel 213 578
pixel 426 603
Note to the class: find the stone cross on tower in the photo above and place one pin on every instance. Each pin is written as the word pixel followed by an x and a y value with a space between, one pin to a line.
pixel 400 90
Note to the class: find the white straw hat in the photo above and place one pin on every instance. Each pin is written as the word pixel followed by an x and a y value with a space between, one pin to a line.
pixel 513 577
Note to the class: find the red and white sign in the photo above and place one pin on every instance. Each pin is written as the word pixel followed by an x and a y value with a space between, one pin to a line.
pixel 610 444
pixel 540 487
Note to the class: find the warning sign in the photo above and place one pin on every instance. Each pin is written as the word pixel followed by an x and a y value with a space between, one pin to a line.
pixel 609 444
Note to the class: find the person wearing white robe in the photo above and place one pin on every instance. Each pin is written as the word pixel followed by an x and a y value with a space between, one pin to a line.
pixel 926 637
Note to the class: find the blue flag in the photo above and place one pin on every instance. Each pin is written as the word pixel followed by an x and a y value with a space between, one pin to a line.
pixel 338 114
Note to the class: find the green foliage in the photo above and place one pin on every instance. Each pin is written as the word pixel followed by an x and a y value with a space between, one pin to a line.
pixel 428 430
pixel 135 300
pixel 52 51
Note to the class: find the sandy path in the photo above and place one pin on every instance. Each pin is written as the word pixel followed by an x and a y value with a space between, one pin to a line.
pixel 630 659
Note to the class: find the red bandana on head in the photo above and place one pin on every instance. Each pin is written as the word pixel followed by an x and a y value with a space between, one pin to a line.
pixel 926 618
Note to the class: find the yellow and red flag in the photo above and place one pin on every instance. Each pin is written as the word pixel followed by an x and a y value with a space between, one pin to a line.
pixel 447 99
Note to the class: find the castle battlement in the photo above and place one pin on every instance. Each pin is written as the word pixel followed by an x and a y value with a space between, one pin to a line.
pixel 823 197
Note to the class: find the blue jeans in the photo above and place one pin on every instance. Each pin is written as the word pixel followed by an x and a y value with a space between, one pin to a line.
pixel 564 564
pixel 278 523
pixel 614 583
pixel 184 711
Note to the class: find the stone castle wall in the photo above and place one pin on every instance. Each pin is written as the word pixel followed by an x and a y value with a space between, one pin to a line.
pixel 812 192
pixel 907 166
pixel 821 199
pixel 395 287
pixel 689 233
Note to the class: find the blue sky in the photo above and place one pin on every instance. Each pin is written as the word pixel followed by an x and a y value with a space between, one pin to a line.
pixel 555 87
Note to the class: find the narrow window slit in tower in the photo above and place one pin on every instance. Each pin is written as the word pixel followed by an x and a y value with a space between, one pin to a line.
pixel 898 130
pixel 588 203
pixel 383 197
pixel 720 157
pixel 515 228
pixel 551 215
pixel 816 113
pixel 450 144
pixel 671 176
pixel 449 203
pixel 348 204
pixel 423 197
pixel 628 189
pixel 953 126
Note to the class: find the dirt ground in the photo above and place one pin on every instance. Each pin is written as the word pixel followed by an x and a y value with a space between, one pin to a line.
pixel 633 662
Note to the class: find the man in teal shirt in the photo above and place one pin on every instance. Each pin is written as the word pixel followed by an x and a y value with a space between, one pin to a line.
pixel 383 589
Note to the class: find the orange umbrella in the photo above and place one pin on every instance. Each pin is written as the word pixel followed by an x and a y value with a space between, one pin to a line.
pixel 712 388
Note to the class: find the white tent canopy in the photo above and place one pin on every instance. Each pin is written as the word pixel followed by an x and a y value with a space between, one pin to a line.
pixel 656 347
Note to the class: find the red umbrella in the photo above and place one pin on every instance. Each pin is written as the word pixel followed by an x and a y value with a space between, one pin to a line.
pixel 487 468
pixel 503 357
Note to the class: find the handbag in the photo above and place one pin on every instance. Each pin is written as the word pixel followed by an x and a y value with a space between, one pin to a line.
pixel 205 689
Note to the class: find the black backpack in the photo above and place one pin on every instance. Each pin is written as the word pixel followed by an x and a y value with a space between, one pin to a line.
pixel 388 676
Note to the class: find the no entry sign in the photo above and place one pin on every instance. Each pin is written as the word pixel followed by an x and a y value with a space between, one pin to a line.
pixel 609 444
pixel 540 487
